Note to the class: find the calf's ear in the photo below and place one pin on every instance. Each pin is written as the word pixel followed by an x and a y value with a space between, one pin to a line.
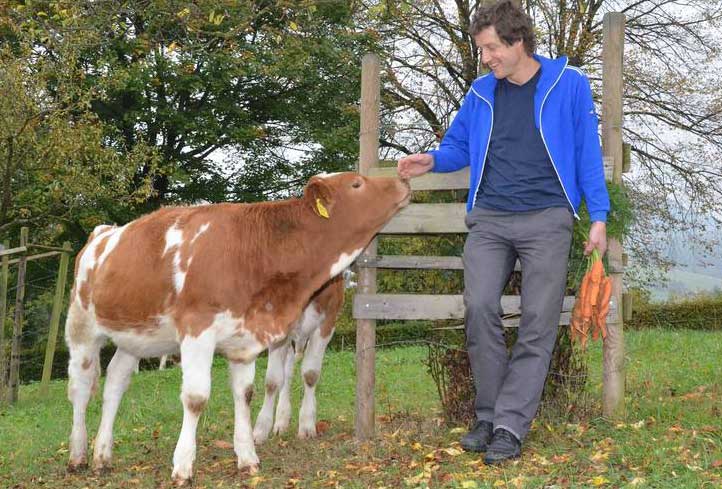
pixel 319 195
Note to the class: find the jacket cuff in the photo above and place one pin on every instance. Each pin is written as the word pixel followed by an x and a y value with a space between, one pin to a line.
pixel 598 216
pixel 441 161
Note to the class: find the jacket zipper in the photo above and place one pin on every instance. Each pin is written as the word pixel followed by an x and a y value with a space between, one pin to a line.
pixel 486 151
pixel 541 132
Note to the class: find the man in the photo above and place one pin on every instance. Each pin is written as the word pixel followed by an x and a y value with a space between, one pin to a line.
pixel 528 129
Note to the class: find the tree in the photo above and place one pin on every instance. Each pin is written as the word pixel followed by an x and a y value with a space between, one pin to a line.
pixel 57 175
pixel 672 95
pixel 243 100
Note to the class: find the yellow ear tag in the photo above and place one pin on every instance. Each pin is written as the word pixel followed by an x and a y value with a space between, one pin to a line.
pixel 321 209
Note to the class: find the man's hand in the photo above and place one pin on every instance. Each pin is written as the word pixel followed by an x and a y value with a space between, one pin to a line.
pixel 415 165
pixel 597 238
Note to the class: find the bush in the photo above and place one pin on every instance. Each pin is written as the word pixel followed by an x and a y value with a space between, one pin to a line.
pixel 565 395
pixel 702 312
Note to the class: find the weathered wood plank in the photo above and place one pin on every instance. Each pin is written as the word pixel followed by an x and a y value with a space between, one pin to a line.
pixel 612 144
pixel 514 322
pixel 428 219
pixel 34 257
pixel 366 328
pixel 411 262
pixel 415 262
pixel 429 306
pixel 12 251
pixel 458 180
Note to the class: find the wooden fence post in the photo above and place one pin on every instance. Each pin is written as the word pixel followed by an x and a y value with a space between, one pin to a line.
pixel 55 318
pixel 18 325
pixel 366 328
pixel 3 311
pixel 612 116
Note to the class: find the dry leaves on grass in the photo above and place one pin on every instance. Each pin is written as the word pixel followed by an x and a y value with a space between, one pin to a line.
pixel 223 444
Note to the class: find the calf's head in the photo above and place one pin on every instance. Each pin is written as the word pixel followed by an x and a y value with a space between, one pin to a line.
pixel 365 204
pixel 350 209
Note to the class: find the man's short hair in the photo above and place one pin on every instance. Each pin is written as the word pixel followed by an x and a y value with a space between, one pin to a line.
pixel 510 22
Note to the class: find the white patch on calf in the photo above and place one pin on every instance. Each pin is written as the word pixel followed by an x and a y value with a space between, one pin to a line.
pixel 87 260
pixel 173 237
pixel 200 231
pixel 326 175
pixel 179 276
pixel 344 261
pixel 153 342
pixel 310 320
pixel 233 340
pixel 114 234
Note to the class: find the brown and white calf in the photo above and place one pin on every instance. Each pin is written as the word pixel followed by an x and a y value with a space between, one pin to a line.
pixel 308 337
pixel 232 278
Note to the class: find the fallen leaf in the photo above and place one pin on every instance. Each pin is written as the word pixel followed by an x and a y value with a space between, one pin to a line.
pixel 518 482
pixel 599 457
pixel 254 481
pixel 222 444
pixel 469 485
pixel 716 464
pixel 458 431
pixel 322 426
pixel 416 446
pixel 499 483
pixel 454 452
pixel 637 481
pixel 599 481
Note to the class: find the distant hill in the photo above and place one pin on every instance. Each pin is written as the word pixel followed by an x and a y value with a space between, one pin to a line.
pixel 682 281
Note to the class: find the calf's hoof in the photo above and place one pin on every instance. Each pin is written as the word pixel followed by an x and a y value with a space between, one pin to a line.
pixel 181 481
pixel 77 465
pixel 306 433
pixel 101 466
pixel 249 468
pixel 280 428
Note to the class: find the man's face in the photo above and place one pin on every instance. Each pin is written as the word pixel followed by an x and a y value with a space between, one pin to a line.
pixel 503 60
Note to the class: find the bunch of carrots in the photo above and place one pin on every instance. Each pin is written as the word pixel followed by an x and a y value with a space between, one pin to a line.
pixel 592 304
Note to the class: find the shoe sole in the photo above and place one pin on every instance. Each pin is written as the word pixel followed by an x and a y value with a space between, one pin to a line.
pixel 501 460
pixel 474 448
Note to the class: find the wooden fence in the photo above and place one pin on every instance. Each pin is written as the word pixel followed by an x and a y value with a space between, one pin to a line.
pixel 430 219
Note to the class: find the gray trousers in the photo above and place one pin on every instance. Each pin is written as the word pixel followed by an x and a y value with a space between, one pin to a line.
pixel 508 389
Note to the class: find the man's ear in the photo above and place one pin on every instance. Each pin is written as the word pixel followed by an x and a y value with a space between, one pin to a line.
pixel 319 195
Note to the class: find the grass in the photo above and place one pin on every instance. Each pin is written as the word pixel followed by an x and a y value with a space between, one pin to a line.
pixel 671 436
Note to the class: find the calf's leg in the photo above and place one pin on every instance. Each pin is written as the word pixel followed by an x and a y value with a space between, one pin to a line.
pixel 196 361
pixel 283 409
pixel 242 374
pixel 83 372
pixel 274 381
pixel 117 378
pixel 311 370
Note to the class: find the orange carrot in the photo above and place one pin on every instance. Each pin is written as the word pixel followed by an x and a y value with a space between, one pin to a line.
pixel 596 274
pixel 605 294
pixel 584 291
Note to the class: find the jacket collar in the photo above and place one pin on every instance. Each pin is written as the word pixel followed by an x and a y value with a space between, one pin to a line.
pixel 551 69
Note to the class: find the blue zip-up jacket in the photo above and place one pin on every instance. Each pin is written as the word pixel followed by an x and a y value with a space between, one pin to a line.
pixel 565 116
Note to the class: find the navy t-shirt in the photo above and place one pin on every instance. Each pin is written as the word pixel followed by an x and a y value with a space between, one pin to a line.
pixel 518 175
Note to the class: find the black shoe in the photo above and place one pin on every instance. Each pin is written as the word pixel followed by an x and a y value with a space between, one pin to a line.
pixel 504 446
pixel 477 439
